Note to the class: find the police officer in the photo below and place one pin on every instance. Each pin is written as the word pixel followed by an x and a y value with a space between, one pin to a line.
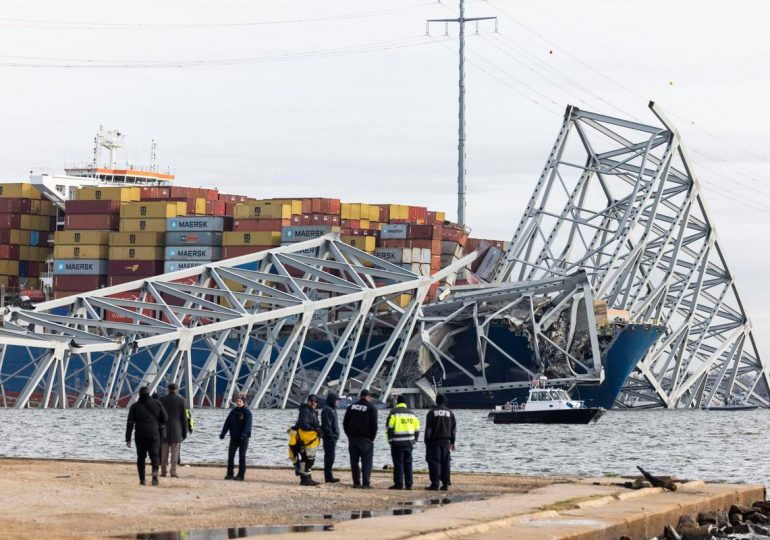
pixel 440 431
pixel 360 425
pixel 403 430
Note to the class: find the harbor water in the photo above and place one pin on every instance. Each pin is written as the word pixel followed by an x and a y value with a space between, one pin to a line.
pixel 708 445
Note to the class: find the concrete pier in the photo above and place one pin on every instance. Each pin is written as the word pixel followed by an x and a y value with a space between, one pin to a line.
pixel 66 499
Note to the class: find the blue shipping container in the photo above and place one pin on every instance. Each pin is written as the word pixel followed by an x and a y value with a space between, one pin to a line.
pixel 193 253
pixel 195 224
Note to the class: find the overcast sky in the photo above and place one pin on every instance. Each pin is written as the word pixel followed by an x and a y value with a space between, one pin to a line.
pixel 350 99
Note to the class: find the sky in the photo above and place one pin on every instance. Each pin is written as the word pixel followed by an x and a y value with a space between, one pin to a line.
pixel 352 99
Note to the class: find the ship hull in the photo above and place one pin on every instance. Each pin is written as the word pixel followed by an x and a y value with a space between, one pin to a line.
pixel 562 416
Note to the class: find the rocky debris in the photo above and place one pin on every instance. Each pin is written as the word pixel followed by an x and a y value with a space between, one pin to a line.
pixel 666 482
pixel 737 522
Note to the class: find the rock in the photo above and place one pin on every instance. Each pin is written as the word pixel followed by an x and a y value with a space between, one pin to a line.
pixel 756 517
pixel 763 506
pixel 740 509
pixel 758 529
pixel 669 533
pixel 706 518
pixel 741 528
pixel 686 521
pixel 697 533
pixel 736 518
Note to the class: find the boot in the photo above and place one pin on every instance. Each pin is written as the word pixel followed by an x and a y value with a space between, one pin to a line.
pixel 155 478
pixel 307 480
pixel 140 470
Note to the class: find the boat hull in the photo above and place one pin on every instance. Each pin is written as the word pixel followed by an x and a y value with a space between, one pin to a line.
pixel 560 416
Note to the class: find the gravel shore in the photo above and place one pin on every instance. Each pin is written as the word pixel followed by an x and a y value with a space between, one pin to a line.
pixel 65 499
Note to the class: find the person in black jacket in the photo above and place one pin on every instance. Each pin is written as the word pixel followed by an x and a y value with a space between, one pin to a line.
pixel 148 416
pixel 360 425
pixel 309 432
pixel 238 423
pixel 331 434
pixel 176 429
pixel 440 431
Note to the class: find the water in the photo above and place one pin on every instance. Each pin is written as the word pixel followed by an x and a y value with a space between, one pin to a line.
pixel 708 445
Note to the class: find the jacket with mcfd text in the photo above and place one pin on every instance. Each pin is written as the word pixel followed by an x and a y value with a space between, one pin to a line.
pixel 440 425
pixel 361 420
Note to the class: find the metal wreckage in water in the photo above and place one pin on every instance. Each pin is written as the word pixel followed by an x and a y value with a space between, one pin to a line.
pixel 616 221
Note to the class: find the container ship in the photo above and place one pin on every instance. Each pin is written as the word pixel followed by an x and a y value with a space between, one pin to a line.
pixel 100 225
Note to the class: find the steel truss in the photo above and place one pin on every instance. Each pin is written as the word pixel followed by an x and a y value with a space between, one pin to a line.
pixel 619 200
pixel 274 325
pixel 556 316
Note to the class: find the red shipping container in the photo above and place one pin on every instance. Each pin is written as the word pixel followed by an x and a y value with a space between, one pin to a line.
pixel 384 213
pixel 307 206
pixel 183 192
pixel 148 193
pixel 134 268
pixel 228 252
pixel 10 221
pixel 104 206
pixel 355 223
pixel 215 208
pixel 211 195
pixel 393 243
pixel 78 283
pixel 334 206
pixel 92 222
pixel 296 220
pixel 33 268
pixel 306 219
pixel 315 206
pixel 9 252
pixel 424 232
pixel 52 223
pixel 320 219
pixel 65 294
pixel 15 206
pixel 433 245
pixel 130 295
pixel 334 219
pixel 345 223
pixel 260 224
pixel 120 280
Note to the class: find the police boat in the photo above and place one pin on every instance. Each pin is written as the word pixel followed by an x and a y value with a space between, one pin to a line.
pixel 546 406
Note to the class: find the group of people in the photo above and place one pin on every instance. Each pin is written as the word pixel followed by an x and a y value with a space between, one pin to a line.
pixel 161 424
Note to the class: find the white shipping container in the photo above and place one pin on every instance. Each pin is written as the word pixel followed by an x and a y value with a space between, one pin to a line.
pixel 394 232
pixel 488 264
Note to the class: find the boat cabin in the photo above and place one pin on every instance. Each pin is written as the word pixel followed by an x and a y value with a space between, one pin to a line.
pixel 543 399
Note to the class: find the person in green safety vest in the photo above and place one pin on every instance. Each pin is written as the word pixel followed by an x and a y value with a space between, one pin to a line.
pixel 403 430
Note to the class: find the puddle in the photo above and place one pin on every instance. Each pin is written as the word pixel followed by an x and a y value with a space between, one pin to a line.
pixel 224 533
pixel 403 508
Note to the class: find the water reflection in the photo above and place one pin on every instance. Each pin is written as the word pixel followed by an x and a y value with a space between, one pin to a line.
pixel 232 532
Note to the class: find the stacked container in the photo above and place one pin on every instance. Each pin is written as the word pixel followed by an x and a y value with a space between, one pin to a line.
pixel 192 241
pixel 25 224
pixel 256 227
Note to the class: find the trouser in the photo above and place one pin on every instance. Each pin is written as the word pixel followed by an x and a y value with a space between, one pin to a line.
pixel 362 449
pixel 330 453
pixel 145 447
pixel 307 457
pixel 241 445
pixel 438 457
pixel 402 464
pixel 171 448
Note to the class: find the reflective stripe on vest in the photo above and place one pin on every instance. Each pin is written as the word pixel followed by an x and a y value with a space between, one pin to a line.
pixel 404 424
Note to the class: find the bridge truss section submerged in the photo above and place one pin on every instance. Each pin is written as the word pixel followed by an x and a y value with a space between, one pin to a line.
pixel 619 200
pixel 275 325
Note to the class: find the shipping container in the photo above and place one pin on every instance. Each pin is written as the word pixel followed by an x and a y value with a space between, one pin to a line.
pixel 298 234
pixel 260 224
pixel 9 282
pixel 173 266
pixel 364 243
pixel 33 253
pixel 9 252
pixel 18 206
pixel 120 280
pixel 104 222
pixel 424 232
pixel 256 238
pixel 194 238
pixel 263 210
pixel 231 199
pixel 153 210
pixel 148 239
pixel 14 236
pixel 81 267
pixel 294 204
pixel 196 224
pixel 192 253
pixel 30 223
pixel 106 206
pixel 122 194
pixel 394 255
pixel 10 221
pixel 63 238
pixel 78 283
pixel 142 225
pixel 19 191
pixel 80 252
pixel 228 252
pixel 392 232
pixel 135 268
pixel 310 252
pixel 139 253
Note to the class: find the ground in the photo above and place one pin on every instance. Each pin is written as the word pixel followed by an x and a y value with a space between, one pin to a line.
pixel 65 499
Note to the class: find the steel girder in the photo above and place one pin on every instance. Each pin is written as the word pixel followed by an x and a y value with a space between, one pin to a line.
pixel 274 325
pixel 556 316
pixel 620 200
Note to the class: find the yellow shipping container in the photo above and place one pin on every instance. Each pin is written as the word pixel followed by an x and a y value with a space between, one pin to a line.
pixel 363 224
pixel 122 194
pixel 38 254
pixel 19 237
pixel 200 207
pixel 9 268
pixel 264 210
pixel 14 190
pixel 34 223
pixel 295 204
pixel 440 216
pixel 80 252
pixel 136 253
pixel 154 209
pixel 47 208
pixel 34 206
pixel 142 225
pixel 151 239
pixel 62 238
pixel 364 243
pixel 252 238
pixel 374 212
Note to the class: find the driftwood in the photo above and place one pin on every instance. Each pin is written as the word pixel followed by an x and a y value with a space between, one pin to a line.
pixel 658 481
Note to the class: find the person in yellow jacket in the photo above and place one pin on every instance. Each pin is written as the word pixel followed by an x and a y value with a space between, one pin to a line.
pixel 403 430
pixel 309 434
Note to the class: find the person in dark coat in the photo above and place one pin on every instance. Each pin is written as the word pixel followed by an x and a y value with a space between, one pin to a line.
pixel 331 434
pixel 440 432
pixel 360 425
pixel 309 432
pixel 146 418
pixel 238 423
pixel 176 429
